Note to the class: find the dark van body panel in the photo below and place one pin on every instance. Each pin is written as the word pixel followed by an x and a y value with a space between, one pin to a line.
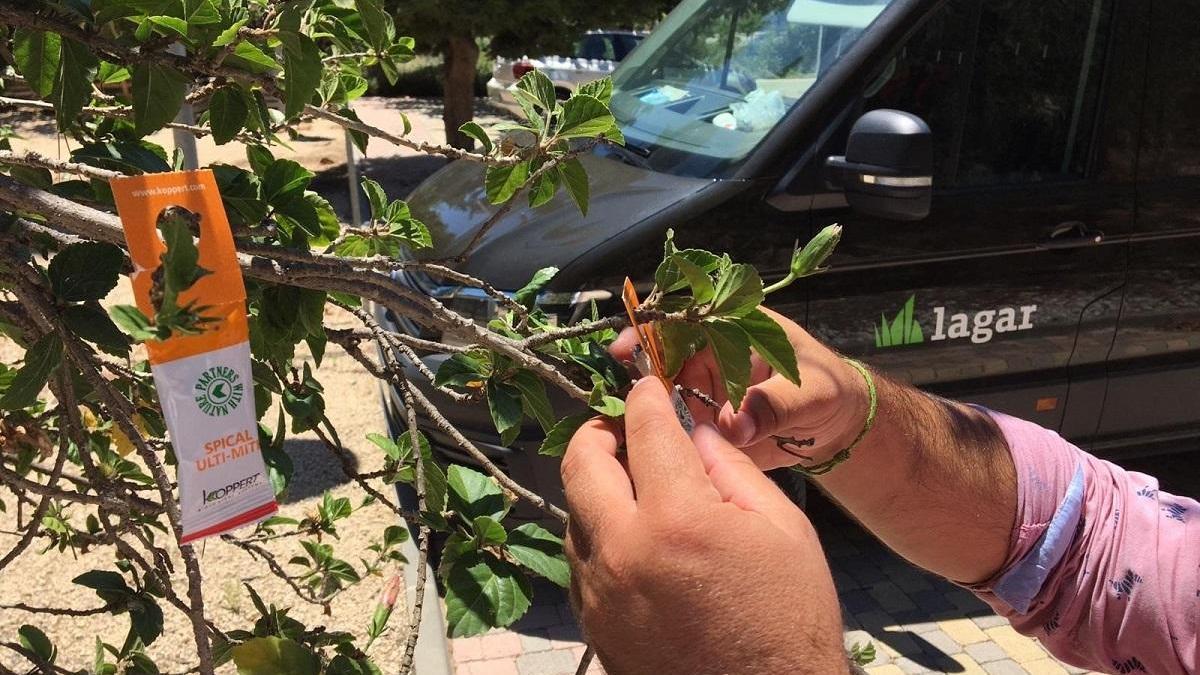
pixel 1154 368
pixel 1057 277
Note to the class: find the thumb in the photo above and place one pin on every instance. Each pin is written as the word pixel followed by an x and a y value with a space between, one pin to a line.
pixel 767 408
pixel 738 480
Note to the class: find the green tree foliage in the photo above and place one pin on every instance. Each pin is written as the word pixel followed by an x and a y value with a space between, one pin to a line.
pixel 85 447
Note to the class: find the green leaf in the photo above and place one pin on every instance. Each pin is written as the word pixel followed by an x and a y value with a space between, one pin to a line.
pixel 132 321
pixel 540 88
pixel 85 271
pixel 227 112
pixel 771 342
pixel 575 177
pixel 527 295
pixel 697 278
pixel 273 656
pixel 538 549
pixel 584 116
pixel 201 12
pixel 376 197
pixel 344 665
pixel 146 619
pixel 473 494
pixel 680 342
pixel 227 36
pixel 73 86
pixel 560 435
pixel 410 231
pixel 179 261
pixel 669 277
pixel 241 193
pixel 40 361
pixel 380 29
pixel 173 25
pixel 609 406
pixel 504 403
pixel 600 89
pixel 389 447
pixel 302 69
pixel 462 371
pixel 475 131
pixel 483 592
pixel 252 59
pixel 37 55
pixel 260 159
pixel 739 291
pixel 109 585
pixel 488 531
pixel 543 188
pixel 158 93
pixel 534 400
pixel 33 639
pixel 284 179
pixel 731 349
pixel 502 182
pixel 394 535
pixel 90 322
pixel 124 156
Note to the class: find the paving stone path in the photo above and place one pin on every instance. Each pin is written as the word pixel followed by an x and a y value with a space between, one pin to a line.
pixel 917 622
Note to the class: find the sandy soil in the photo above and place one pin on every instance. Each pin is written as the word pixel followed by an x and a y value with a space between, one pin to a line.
pixel 352 402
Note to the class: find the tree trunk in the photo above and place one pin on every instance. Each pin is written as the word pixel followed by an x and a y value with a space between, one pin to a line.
pixel 458 81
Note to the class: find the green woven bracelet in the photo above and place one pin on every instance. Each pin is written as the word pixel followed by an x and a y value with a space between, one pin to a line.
pixel 844 454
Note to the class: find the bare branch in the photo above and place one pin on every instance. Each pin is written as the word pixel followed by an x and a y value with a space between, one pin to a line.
pixel 419 146
pixel 41 161
pixel 576 330
pixel 259 553
pixel 56 611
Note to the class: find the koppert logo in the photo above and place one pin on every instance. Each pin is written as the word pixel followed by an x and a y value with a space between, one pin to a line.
pixel 218 391
pixel 902 330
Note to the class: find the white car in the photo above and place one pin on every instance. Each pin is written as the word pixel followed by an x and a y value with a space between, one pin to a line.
pixel 595 56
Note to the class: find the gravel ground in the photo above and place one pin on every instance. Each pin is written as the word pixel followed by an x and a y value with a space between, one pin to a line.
pixel 352 401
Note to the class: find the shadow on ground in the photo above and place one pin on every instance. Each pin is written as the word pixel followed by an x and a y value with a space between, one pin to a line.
pixel 315 469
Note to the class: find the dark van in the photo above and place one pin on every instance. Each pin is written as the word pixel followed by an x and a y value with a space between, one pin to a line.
pixel 1018 181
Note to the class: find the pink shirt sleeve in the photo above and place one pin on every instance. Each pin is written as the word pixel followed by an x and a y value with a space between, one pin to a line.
pixel 1104 568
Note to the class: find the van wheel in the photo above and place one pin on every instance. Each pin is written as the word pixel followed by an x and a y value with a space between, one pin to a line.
pixel 793 485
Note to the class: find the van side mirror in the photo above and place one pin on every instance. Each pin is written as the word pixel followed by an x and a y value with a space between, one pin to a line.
pixel 887 170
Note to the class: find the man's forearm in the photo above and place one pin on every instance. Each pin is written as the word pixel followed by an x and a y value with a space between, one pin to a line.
pixel 935 481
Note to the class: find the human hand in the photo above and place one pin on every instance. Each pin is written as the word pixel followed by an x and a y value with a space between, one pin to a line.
pixel 688 559
pixel 778 424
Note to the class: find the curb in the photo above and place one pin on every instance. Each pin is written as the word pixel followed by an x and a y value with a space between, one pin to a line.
pixel 432 656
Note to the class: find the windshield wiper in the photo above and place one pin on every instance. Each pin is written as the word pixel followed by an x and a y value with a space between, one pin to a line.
pixel 637 149
pixel 633 155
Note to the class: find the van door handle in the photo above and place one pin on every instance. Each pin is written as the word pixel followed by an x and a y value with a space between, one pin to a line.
pixel 1071 234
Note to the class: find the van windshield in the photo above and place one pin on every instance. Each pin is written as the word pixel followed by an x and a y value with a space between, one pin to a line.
pixel 717 75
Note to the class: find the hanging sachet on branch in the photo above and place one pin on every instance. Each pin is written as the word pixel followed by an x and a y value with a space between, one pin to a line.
pixel 193 307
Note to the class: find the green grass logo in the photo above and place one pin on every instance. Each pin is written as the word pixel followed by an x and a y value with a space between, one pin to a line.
pixel 903 330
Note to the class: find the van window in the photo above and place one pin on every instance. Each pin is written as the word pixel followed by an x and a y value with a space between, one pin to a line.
pixel 718 75
pixel 1171 138
pixel 1008 87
